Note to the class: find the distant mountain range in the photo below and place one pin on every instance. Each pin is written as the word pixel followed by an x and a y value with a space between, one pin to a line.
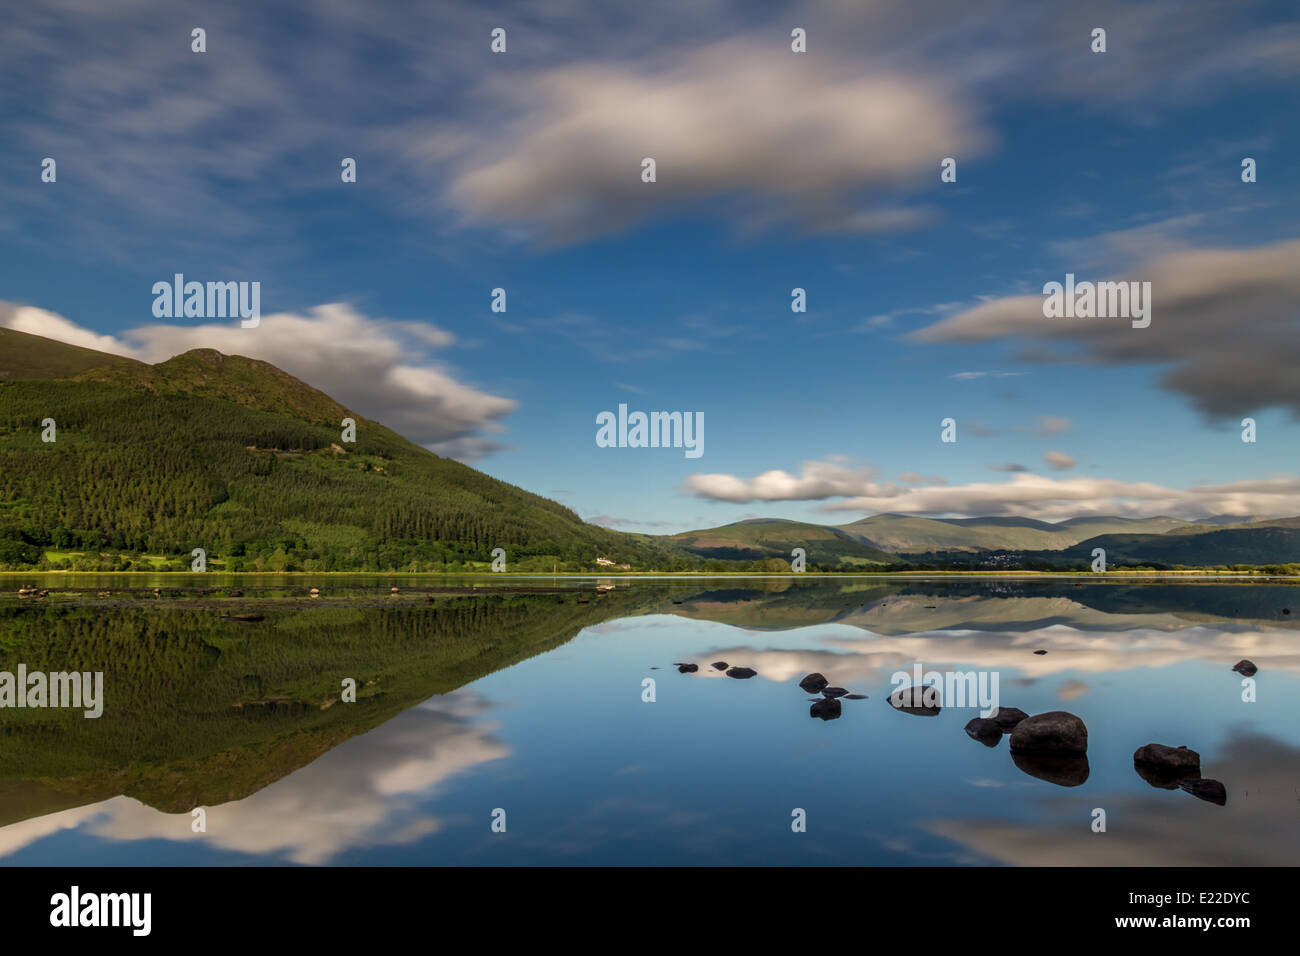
pixel 239 458
pixel 1006 542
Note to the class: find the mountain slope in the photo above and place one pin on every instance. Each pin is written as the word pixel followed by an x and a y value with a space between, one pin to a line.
pixel 756 539
pixel 237 457
pixel 1266 542
pixel 905 534
pixel 24 356
pixel 233 378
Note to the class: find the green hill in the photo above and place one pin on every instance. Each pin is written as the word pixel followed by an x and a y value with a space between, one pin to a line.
pixel 30 356
pixel 237 457
pixel 904 534
pixel 764 538
pixel 1257 543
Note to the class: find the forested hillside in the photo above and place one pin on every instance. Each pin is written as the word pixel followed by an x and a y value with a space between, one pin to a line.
pixel 239 458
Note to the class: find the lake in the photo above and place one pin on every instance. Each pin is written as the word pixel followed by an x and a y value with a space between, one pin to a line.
pixel 526 721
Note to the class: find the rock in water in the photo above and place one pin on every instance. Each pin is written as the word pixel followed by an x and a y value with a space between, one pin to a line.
pixel 1245 668
pixel 1055 732
pixel 1007 718
pixel 855 696
pixel 1040 653
pixel 687 668
pixel 984 730
pixel 741 673
pixel 813 683
pixel 1166 767
pixel 834 691
pixel 1173 759
pixel 1211 791
pixel 828 708
pixel 719 665
pixel 925 700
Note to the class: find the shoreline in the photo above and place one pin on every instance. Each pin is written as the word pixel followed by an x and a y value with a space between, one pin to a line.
pixel 657 575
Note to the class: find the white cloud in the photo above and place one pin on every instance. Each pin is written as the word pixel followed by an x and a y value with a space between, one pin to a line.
pixel 819 480
pixel 1024 494
pixel 731 119
pixel 26 318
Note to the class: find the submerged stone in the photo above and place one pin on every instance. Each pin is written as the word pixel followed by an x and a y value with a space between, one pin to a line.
pixel 984 730
pixel 828 708
pixel 924 700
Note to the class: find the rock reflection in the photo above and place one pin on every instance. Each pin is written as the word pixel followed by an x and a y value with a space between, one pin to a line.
pixel 1064 770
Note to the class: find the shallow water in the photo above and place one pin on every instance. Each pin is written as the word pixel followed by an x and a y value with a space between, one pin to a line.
pixel 534 704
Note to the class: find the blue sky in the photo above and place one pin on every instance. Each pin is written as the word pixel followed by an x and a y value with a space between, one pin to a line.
pixel 776 170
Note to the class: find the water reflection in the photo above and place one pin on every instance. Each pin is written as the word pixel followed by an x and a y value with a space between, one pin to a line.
pixel 534 702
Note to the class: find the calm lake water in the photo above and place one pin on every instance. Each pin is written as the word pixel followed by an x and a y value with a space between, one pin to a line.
pixel 534 704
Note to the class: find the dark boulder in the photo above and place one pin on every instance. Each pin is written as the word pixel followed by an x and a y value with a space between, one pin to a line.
pixel 828 708
pixel 1166 767
pixel 719 665
pixel 814 683
pixel 834 691
pixel 924 700
pixel 855 696
pixel 1055 732
pixel 741 673
pixel 1246 668
pixel 687 668
pixel 1178 759
pixel 984 730
pixel 1007 718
